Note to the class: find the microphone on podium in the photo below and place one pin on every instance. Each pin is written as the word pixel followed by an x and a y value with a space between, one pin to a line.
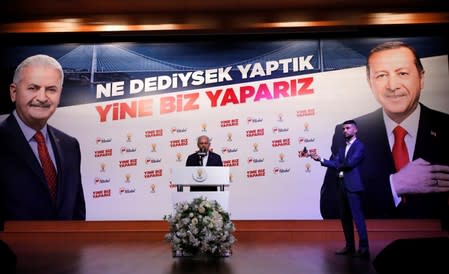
pixel 202 153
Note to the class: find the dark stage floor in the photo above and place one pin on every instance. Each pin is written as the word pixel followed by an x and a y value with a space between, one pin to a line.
pixel 69 254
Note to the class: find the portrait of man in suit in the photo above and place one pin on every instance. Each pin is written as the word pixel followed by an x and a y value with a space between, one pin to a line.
pixel 346 162
pixel 406 168
pixel 40 176
pixel 204 157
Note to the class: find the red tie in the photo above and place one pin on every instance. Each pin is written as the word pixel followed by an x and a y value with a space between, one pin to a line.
pixel 47 164
pixel 400 153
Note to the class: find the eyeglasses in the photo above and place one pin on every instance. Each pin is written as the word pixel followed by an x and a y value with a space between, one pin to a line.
pixel 203 143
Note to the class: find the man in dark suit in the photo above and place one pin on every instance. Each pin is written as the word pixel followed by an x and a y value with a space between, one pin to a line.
pixel 204 157
pixel 346 161
pixel 418 187
pixel 40 175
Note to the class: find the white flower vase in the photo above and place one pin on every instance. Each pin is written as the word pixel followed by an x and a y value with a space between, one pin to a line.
pixel 200 225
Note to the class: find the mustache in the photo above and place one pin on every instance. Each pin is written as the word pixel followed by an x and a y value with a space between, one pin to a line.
pixel 396 95
pixel 40 105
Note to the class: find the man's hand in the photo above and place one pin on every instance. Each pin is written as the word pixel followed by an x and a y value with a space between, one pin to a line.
pixel 315 156
pixel 420 176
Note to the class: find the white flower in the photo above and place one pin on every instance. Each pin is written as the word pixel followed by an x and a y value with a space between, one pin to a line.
pixel 206 220
pixel 200 226
pixel 185 221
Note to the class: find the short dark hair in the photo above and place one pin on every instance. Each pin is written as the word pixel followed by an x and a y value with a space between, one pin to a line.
pixel 350 122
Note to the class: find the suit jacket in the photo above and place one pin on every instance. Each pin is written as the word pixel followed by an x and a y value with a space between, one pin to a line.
pixel 349 165
pixel 431 144
pixel 212 160
pixel 24 191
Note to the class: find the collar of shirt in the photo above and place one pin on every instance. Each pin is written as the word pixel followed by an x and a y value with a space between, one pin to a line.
pixel 350 142
pixel 410 124
pixel 29 132
pixel 348 145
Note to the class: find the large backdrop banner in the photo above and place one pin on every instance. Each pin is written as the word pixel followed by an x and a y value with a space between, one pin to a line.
pixel 137 109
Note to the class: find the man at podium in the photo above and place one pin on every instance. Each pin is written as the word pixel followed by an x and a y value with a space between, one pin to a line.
pixel 204 157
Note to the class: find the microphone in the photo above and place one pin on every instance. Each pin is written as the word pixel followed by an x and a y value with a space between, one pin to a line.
pixel 202 153
pixel 305 152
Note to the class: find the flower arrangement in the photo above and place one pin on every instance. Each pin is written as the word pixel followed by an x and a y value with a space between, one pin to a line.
pixel 200 227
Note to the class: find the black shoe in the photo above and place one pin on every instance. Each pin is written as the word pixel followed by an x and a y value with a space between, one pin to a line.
pixel 362 253
pixel 345 251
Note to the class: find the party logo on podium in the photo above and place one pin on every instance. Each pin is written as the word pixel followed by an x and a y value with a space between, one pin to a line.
pixel 199 175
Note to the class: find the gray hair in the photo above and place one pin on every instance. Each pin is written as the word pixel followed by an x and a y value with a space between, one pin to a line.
pixel 394 45
pixel 201 137
pixel 41 60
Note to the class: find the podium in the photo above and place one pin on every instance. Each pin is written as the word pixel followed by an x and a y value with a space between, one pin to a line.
pixel 185 177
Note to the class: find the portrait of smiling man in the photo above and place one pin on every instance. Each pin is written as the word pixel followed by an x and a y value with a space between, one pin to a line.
pixel 40 176
pixel 406 169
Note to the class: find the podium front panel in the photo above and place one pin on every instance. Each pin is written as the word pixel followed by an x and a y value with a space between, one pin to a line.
pixel 200 176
